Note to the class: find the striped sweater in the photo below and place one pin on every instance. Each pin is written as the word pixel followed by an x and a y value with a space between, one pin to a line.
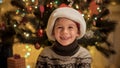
pixel 49 59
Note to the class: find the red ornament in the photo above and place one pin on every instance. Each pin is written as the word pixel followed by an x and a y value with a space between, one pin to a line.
pixel 2 26
pixel 41 7
pixel 29 8
pixel 17 56
pixel 40 32
pixel 94 23
pixel 37 46
pixel 63 5
pixel 79 11
pixel 93 8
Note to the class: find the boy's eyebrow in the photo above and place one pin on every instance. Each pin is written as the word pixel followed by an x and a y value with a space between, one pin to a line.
pixel 69 25
pixel 57 24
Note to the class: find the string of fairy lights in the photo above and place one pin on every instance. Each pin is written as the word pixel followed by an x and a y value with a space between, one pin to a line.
pixel 86 13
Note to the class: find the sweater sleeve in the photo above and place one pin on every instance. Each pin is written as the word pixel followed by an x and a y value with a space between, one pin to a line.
pixel 41 61
pixel 86 64
pixel 86 58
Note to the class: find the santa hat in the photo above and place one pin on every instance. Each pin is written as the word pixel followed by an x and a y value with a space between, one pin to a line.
pixel 69 13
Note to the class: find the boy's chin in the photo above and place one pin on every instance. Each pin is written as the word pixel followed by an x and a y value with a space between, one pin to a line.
pixel 65 44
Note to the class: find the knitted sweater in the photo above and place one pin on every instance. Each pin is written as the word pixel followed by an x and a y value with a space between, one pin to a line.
pixel 49 59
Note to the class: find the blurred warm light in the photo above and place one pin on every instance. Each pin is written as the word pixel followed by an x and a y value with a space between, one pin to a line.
pixel 30 27
pixel 77 6
pixel 28 66
pixel 29 52
pixel 91 49
pixel 113 3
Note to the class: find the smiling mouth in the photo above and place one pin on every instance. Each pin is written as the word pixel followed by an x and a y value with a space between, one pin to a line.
pixel 64 38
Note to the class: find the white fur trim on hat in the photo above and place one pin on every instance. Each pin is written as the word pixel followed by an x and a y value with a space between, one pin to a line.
pixel 69 13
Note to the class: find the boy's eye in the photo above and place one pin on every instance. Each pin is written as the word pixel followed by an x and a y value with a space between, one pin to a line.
pixel 70 27
pixel 59 27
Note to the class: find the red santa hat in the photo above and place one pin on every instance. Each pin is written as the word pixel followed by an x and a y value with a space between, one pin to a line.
pixel 69 13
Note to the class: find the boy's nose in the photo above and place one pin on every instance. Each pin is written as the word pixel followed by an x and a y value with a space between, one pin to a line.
pixel 65 30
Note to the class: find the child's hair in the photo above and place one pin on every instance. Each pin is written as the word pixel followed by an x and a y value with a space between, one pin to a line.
pixel 68 13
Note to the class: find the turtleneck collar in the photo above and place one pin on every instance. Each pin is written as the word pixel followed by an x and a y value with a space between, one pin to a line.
pixel 68 50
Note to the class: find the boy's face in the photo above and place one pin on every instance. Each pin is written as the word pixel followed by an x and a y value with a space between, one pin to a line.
pixel 65 31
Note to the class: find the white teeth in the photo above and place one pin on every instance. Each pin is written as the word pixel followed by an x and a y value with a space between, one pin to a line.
pixel 64 38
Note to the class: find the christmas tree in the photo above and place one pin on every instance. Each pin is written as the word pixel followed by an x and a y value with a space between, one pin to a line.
pixel 28 22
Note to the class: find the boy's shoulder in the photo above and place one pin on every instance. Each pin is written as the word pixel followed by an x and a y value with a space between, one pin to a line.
pixel 46 50
pixel 83 52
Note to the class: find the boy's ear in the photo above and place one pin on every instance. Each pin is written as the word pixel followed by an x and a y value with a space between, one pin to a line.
pixel 78 34
pixel 53 34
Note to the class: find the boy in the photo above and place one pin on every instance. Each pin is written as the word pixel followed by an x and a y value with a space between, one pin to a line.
pixel 65 26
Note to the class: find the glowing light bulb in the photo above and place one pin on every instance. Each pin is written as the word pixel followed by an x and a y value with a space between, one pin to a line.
pixel 15 25
pixel 28 66
pixel 26 46
pixel 28 53
pixel 83 15
pixel 29 49
pixel 95 18
pixel 33 0
pixel 36 7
